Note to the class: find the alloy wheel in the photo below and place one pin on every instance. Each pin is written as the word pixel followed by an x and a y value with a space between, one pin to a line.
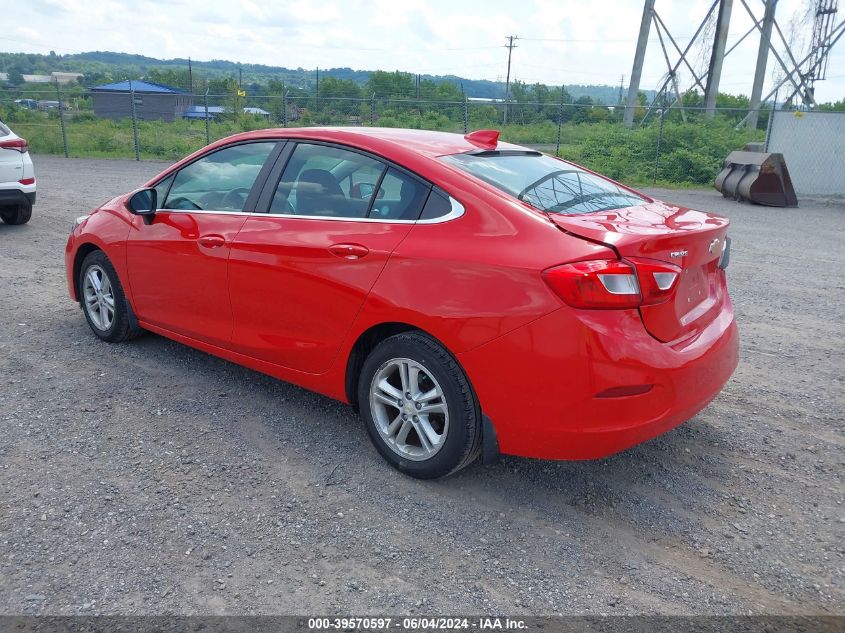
pixel 409 409
pixel 99 297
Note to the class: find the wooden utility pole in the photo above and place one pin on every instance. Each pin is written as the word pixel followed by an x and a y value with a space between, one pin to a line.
pixel 510 46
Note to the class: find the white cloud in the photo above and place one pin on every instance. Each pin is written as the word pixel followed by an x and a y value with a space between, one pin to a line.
pixel 430 36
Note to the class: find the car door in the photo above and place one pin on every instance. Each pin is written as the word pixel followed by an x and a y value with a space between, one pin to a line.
pixel 177 263
pixel 302 265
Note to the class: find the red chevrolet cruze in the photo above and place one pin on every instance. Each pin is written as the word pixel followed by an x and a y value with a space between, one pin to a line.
pixel 467 296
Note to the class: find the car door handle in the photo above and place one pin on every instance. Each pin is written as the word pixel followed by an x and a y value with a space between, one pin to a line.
pixel 349 251
pixel 212 241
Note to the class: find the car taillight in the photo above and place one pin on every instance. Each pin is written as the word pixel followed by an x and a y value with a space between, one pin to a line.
pixel 606 284
pixel 599 284
pixel 657 280
pixel 16 144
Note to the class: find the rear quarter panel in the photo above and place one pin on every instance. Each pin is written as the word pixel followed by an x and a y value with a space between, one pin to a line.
pixel 475 278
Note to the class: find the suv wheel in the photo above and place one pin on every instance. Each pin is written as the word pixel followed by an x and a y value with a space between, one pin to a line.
pixel 19 214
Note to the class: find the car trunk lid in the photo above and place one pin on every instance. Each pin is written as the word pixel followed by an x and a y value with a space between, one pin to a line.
pixel 692 240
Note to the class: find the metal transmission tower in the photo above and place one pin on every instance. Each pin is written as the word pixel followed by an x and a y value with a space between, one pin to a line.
pixel 812 67
pixel 639 57
pixel 762 60
pixel 713 74
pixel 717 57
pixel 822 28
pixel 799 73
pixel 510 46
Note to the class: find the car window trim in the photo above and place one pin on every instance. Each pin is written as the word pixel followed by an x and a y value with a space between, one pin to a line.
pixel 268 189
pixel 205 212
pixel 374 195
pixel 257 186
pixel 172 177
pixel 456 211
pixel 266 168
pixel 286 148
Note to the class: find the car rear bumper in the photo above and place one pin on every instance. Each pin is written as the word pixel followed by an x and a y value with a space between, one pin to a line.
pixel 551 387
pixel 10 197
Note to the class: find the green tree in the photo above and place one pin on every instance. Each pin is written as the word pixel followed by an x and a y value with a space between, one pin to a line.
pixel 173 77
pixel 15 77
pixel 581 111
pixel 837 106
pixel 339 88
pixel 394 85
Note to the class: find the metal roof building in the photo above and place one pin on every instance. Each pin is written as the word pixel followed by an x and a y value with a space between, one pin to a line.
pixel 257 112
pixel 152 100
pixel 200 112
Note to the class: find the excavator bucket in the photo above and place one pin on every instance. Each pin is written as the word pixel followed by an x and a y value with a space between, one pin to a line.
pixel 757 177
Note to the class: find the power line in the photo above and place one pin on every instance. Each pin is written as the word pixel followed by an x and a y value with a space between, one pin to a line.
pixel 600 39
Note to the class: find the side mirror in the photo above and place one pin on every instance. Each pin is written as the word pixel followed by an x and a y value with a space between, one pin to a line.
pixel 144 203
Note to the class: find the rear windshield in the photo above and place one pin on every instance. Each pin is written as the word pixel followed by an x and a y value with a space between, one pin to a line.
pixel 545 182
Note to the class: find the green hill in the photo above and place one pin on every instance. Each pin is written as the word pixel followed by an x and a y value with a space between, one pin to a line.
pixel 104 66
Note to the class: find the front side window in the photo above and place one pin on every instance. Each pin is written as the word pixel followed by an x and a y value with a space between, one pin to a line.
pixel 220 181
pixel 546 183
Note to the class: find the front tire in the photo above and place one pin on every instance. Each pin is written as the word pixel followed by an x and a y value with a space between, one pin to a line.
pixel 418 407
pixel 19 214
pixel 103 301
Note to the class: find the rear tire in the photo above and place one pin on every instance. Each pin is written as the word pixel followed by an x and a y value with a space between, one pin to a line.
pixel 103 301
pixel 19 214
pixel 418 407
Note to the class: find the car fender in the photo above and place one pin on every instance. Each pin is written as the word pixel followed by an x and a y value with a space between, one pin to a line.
pixel 107 230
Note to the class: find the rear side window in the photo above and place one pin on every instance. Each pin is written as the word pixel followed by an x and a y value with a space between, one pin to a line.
pixel 437 205
pixel 546 183
pixel 400 197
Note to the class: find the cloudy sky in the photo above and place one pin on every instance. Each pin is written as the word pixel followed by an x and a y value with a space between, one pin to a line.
pixel 560 41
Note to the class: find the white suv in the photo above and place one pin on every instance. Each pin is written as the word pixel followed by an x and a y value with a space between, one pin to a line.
pixel 17 178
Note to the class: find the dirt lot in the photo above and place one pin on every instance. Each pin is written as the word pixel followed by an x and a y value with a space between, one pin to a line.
pixel 152 478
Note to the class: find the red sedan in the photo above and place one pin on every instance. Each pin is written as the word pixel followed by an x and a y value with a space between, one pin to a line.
pixel 468 297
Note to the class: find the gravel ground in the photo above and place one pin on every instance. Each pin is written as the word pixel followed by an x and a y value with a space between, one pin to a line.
pixel 151 478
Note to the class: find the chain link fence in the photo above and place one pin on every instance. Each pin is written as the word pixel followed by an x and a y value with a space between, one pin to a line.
pixel 669 146
pixel 813 145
